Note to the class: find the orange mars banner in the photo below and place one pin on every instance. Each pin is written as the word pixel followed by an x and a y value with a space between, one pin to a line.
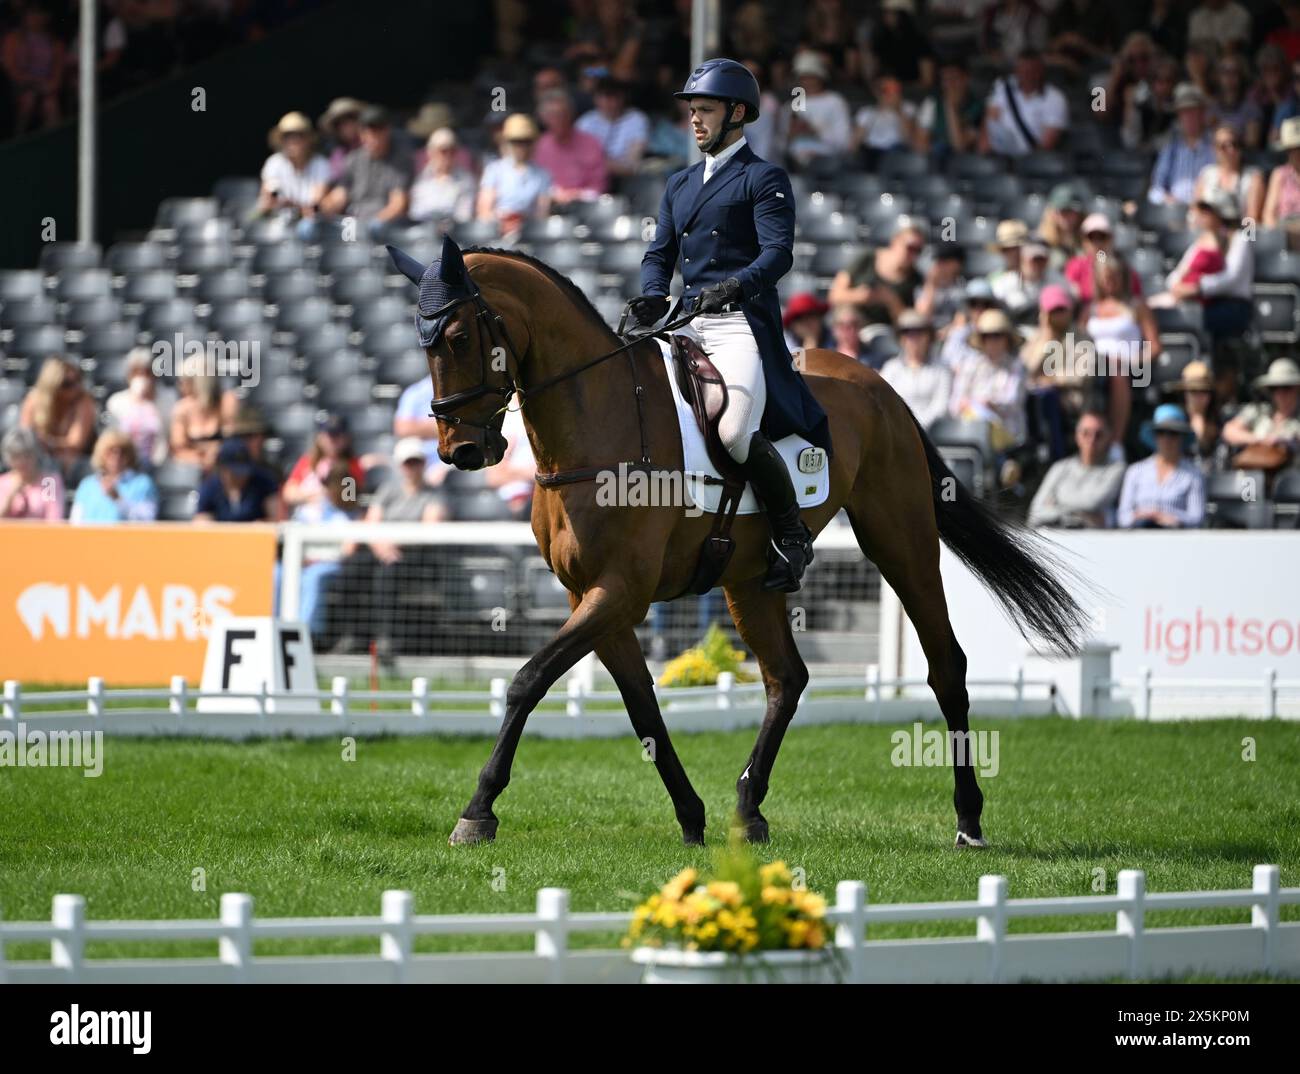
pixel 128 603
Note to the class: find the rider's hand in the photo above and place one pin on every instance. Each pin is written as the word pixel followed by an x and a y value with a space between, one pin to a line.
pixel 713 298
pixel 648 309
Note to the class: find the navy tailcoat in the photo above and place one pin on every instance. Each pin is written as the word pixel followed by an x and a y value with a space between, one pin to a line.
pixel 740 223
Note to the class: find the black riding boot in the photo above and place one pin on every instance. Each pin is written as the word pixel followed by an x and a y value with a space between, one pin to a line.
pixel 791 548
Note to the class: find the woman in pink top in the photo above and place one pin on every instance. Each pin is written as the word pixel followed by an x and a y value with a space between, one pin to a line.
pixel 28 491
pixel 1282 203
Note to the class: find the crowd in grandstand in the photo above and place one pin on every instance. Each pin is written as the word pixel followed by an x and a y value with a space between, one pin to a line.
pixel 1048 226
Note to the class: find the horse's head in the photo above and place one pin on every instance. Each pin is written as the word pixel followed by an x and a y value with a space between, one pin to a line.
pixel 468 351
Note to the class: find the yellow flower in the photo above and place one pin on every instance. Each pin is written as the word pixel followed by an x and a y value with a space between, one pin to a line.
pixel 774 873
pixel 680 884
pixel 725 891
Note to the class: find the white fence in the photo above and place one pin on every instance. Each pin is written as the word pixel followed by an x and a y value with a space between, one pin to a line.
pixel 1130 950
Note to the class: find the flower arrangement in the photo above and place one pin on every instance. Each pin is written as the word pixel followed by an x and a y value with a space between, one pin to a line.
pixel 741 908
pixel 701 665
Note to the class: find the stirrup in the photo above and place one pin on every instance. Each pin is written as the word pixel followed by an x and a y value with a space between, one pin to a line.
pixel 788 557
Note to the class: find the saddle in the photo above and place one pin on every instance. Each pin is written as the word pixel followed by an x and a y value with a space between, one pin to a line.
pixel 703 387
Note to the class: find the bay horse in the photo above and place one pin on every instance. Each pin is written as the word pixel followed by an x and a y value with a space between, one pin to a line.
pixel 497 322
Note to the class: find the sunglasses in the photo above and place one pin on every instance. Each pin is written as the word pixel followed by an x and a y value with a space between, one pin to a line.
pixel 520 141
pixel 1228 143
pixel 915 248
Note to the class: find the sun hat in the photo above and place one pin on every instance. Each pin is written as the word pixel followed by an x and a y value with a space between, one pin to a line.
pixel 810 63
pixel 1288 135
pixel 290 123
pixel 339 108
pixel 1011 233
pixel 914 321
pixel 1187 95
pixel 1054 297
pixel 519 128
pixel 1096 222
pixel 1282 373
pixel 1196 378
pixel 409 447
pixel 979 289
pixel 1222 203
pixel 443 138
pixel 803 304
pixel 432 116
pixel 994 323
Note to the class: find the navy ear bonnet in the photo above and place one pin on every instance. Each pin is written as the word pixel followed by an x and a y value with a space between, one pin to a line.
pixel 443 285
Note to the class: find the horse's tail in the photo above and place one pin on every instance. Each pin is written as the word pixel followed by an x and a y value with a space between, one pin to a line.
pixel 1007 558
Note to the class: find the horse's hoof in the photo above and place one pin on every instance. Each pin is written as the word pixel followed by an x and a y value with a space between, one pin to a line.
pixel 754 830
pixel 975 842
pixel 693 837
pixel 469 831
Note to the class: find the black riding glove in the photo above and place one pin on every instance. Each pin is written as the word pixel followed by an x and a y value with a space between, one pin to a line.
pixel 648 310
pixel 715 297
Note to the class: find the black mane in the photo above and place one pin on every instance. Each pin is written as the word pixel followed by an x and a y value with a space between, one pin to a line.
pixel 563 282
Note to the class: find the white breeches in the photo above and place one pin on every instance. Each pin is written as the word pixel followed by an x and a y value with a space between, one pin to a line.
pixel 729 342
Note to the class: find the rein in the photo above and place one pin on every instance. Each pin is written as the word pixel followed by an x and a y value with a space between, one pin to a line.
pixel 494 323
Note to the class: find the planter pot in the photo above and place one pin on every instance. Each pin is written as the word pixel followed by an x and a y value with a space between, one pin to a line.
pixel 672 965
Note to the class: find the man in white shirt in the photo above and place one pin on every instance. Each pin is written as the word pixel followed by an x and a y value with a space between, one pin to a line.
pixel 820 122
pixel 1024 113
pixel 622 131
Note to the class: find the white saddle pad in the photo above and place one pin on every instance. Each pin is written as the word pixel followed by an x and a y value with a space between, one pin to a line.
pixel 807 464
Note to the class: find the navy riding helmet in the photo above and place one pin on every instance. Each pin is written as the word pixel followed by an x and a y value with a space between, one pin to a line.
pixel 728 81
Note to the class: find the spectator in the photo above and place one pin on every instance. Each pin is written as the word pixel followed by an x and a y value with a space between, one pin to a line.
pixel 1218 268
pixel 1219 24
pixel 805 322
pixel 1132 72
pixel 1282 203
pixel 1275 424
pixel 514 476
pixel 1188 150
pixel 238 491
pixel 1012 27
pixel 822 128
pixel 115 491
pixel 33 59
pixel 761 135
pixel 672 143
pixel 413 419
pixel 1060 364
pixel 1286 37
pixel 846 334
pixel 1164 490
pixel 375 178
pixel 1098 246
pixel 295 176
pixel 884 282
pixel 889 123
pixel 443 192
pixel 898 47
pixel 622 132
pixel 827 29
pixel 198 415
pixel 1008 241
pixel 141 409
pixel 1276 91
pixel 924 383
pixel 28 489
pixel 1228 173
pixel 1081 492
pixel 948 120
pixel 332 444
pixel 944 291
pixel 248 425
pixel 319 571
pixel 956 340
pixel 514 187
pixel 1197 388
pixel 61 413
pixel 373 575
pixel 1149 108
pixel 432 117
pixel 573 159
pixel 1024 114
pixel 1061 224
pixel 1124 333
pixel 1233 106
pixel 1198 62
pixel 989 384
pixel 1019 291
pixel 341 126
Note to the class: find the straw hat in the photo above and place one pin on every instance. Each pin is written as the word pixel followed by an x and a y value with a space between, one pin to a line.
pixel 1011 233
pixel 339 108
pixel 291 123
pixel 994 323
pixel 1196 378
pixel 1187 95
pixel 1288 136
pixel 432 116
pixel 1282 373
pixel 519 127
pixel 810 63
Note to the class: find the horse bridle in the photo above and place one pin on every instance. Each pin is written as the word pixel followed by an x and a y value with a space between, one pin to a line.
pixel 496 334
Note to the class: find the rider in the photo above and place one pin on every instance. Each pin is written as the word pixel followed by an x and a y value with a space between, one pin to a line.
pixel 729 221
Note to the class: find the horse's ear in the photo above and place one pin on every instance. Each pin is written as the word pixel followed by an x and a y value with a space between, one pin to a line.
pixel 452 265
pixel 406 265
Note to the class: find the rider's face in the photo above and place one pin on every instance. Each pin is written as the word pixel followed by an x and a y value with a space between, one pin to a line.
pixel 707 115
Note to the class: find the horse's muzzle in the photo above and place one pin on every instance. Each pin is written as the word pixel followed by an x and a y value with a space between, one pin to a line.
pixel 467 457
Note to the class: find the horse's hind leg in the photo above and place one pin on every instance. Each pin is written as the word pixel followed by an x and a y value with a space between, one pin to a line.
pixel 893 520
pixel 760 618
pixel 621 654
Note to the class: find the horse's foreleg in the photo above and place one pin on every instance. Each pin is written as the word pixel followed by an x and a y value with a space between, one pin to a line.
pixel 760 618
pixel 600 612
pixel 621 654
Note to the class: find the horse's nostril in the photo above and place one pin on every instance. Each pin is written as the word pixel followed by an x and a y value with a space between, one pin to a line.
pixel 467 457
